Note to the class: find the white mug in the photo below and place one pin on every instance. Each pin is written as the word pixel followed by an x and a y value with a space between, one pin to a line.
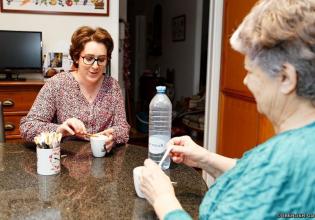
pixel 98 145
pixel 136 180
pixel 48 160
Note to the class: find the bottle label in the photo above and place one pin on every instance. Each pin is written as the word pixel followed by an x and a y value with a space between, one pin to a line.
pixel 157 143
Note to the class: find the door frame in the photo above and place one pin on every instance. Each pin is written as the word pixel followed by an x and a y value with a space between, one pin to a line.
pixel 213 79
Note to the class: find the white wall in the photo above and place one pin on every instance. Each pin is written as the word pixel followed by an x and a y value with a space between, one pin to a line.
pixel 181 55
pixel 57 29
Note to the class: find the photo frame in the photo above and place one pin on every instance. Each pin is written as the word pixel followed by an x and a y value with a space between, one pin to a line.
pixel 59 7
pixel 55 59
pixel 179 28
pixel 55 62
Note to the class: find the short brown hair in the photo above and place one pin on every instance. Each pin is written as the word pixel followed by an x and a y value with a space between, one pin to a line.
pixel 86 34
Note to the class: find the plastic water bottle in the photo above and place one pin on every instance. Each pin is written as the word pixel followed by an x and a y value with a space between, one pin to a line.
pixel 160 123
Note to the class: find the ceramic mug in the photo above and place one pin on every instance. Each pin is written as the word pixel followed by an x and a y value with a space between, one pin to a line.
pixel 98 145
pixel 48 160
pixel 136 180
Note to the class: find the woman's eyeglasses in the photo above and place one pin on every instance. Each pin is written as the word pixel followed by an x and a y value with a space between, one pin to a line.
pixel 89 60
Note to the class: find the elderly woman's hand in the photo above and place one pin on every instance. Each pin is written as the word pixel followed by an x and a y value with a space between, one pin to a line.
pixel 185 150
pixel 158 189
pixel 72 126
pixel 110 141
pixel 154 182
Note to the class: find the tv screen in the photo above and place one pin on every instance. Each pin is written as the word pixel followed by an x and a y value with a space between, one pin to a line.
pixel 21 52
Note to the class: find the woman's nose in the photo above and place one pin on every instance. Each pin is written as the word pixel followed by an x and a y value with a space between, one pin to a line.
pixel 95 65
pixel 245 80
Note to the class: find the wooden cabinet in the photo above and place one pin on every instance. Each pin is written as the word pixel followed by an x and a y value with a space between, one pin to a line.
pixel 241 127
pixel 17 98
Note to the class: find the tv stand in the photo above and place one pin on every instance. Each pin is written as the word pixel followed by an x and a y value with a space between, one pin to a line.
pixel 8 77
pixel 17 99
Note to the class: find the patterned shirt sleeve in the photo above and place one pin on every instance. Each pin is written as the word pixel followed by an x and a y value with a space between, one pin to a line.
pixel 40 117
pixel 120 125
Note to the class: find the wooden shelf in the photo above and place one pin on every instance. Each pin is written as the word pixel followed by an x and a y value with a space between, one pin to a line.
pixel 19 97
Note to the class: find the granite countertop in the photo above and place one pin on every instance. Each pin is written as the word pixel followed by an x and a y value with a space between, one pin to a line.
pixel 87 187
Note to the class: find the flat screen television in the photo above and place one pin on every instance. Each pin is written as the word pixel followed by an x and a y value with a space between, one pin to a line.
pixel 20 52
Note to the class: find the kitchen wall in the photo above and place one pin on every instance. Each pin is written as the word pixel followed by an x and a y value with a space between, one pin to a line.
pixel 182 56
pixel 57 29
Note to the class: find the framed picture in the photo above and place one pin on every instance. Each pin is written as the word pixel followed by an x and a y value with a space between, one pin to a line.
pixel 55 60
pixel 178 28
pixel 61 7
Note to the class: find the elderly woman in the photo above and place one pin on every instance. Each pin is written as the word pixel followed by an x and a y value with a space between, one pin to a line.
pixel 275 179
pixel 84 100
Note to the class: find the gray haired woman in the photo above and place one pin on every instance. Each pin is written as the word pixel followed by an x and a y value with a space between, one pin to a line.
pixel 275 179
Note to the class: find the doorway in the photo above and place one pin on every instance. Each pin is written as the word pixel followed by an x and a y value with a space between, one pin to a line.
pixel 169 46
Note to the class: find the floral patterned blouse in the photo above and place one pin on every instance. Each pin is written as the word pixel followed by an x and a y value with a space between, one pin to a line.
pixel 61 98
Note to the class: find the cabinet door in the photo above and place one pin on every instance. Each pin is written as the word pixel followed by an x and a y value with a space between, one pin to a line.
pixel 241 127
pixel 21 100
pixel 17 98
pixel 238 125
pixel 232 62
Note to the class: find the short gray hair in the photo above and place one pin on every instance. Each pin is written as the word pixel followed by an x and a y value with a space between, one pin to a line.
pixel 298 54
pixel 280 31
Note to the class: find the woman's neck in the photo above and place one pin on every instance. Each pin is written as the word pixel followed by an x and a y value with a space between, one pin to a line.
pixel 88 89
pixel 89 86
pixel 300 116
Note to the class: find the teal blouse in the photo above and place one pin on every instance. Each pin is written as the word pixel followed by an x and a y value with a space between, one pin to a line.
pixel 274 180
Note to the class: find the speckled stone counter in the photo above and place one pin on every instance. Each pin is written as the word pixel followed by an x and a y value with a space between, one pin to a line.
pixel 87 187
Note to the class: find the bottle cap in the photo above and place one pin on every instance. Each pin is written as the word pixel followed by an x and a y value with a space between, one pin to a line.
pixel 160 89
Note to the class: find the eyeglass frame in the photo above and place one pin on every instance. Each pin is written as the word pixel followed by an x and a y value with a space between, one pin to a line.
pixel 94 59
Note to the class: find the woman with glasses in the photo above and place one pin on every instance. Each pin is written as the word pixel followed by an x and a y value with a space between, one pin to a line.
pixel 84 100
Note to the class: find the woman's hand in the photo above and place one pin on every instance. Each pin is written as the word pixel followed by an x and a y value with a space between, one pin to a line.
pixel 185 150
pixel 110 141
pixel 158 189
pixel 72 126
pixel 154 182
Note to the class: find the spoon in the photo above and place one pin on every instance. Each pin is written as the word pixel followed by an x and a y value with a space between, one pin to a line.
pixel 168 150
pixel 91 135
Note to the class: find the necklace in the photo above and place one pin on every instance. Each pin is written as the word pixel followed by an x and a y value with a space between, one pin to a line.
pixel 89 97
pixel 89 94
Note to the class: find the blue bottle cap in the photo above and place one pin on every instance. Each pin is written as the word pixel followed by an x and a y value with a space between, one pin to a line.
pixel 160 89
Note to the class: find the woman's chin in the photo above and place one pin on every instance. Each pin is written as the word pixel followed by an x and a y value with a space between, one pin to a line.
pixel 94 77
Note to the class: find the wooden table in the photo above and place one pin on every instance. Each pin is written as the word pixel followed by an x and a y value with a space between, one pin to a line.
pixel 87 187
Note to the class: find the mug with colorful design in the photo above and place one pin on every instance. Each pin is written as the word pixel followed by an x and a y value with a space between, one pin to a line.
pixel 48 160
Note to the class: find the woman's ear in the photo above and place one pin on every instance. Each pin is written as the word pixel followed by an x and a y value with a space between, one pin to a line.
pixel 288 77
